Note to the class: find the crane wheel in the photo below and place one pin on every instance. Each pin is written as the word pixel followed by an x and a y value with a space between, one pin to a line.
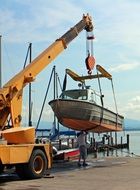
pixel 1 168
pixel 35 168
pixel 21 171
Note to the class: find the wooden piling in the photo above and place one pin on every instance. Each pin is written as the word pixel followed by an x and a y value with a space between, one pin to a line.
pixel 107 151
pixel 127 140
pixel 116 138
pixel 111 140
pixel 91 141
pixel 103 140
pixel 72 143
pixel 121 141
pixel 68 142
pixel 60 144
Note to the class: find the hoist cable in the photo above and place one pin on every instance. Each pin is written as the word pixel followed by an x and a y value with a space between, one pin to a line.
pixel 115 102
pixel 45 99
pixel 101 98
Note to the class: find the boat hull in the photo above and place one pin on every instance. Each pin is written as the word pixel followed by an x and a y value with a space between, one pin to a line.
pixel 82 115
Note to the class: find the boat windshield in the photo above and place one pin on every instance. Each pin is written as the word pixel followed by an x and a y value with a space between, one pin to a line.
pixel 74 94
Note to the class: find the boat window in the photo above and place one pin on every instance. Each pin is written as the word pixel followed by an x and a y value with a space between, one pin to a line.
pixel 74 94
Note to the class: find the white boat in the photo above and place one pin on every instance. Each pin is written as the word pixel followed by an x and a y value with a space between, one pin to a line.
pixel 77 109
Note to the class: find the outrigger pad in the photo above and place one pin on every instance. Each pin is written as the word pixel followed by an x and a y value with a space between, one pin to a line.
pixel 19 135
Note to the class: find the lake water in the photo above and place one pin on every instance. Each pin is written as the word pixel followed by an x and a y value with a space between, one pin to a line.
pixel 134 144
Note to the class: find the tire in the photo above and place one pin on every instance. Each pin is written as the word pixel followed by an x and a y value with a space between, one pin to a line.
pixel 37 165
pixel 20 170
pixel 1 168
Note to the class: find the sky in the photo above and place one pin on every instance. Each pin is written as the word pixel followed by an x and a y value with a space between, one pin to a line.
pixel 116 46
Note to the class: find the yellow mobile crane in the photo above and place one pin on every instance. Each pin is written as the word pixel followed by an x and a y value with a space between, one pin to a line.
pixel 17 144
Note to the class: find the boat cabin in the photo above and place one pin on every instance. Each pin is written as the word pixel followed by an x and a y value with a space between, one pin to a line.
pixel 89 95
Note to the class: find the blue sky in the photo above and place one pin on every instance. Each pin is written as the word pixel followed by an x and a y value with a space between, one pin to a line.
pixel 116 45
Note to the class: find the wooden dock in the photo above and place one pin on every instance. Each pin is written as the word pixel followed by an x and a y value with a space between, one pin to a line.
pixel 106 144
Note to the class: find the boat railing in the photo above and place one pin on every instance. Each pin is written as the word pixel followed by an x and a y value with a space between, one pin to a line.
pixel 94 97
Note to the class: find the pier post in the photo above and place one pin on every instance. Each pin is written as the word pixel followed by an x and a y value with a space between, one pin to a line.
pixel 128 141
pixel 94 143
pixel 111 140
pixel 121 142
pixel 91 141
pixel 60 144
pixel 107 151
pixel 68 142
pixel 103 140
pixel 108 140
pixel 115 138
pixel 72 143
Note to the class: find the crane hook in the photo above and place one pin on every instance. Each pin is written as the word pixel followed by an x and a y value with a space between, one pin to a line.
pixel 90 63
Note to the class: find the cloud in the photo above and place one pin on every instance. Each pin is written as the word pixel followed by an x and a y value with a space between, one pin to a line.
pixel 120 21
pixel 32 21
pixel 131 108
pixel 36 20
pixel 124 67
pixel 47 114
pixel 116 30
pixel 134 103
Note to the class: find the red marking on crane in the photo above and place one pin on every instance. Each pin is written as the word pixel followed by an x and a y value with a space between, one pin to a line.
pixel 90 37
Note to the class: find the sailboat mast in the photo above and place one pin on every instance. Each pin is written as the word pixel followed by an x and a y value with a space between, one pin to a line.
pixel 0 63
pixel 30 89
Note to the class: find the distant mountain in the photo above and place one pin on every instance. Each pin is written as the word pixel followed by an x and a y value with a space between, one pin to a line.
pixel 131 124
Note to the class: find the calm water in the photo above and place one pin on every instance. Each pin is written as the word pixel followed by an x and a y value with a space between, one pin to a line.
pixel 134 144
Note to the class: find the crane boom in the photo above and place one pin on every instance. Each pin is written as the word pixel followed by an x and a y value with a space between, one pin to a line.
pixel 11 93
